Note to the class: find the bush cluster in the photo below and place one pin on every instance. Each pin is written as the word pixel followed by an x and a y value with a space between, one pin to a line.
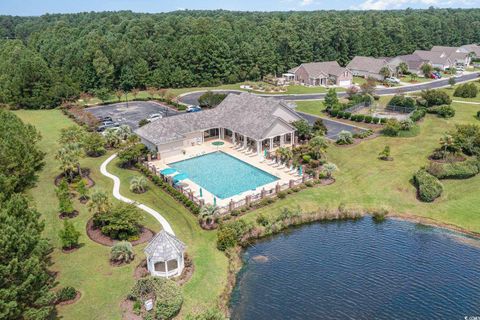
pixel 399 100
pixel 466 90
pixel 444 111
pixel 122 222
pixel 363 134
pixel 354 117
pixel 122 252
pixel 391 128
pixel 455 170
pixel 435 98
pixel 189 204
pixel 429 187
pixel 168 295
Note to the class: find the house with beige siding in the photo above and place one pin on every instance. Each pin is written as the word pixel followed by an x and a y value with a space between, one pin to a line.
pixel 320 74
pixel 255 122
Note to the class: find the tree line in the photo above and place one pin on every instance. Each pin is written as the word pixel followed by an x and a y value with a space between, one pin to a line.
pixel 44 60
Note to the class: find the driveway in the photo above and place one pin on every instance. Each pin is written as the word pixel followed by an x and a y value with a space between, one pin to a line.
pixel 333 127
pixel 131 113
pixel 192 98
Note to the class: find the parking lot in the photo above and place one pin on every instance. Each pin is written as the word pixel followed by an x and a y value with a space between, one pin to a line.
pixel 132 112
pixel 333 127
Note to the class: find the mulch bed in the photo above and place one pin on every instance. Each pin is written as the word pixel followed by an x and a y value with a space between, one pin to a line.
pixel 456 159
pixel 206 226
pixel 327 182
pixel 64 215
pixel 127 310
pixel 77 297
pixel 118 263
pixel 85 175
pixel 97 236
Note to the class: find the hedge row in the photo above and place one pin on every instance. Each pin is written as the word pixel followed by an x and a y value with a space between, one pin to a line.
pixel 456 170
pixel 429 187
pixel 356 117
pixel 418 114
pixel 189 204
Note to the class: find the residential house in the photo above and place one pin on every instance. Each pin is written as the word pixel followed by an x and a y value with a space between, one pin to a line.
pixel 320 74
pixel 369 67
pixel 414 63
pixel 437 59
pixel 472 49
pixel 256 122
pixel 457 55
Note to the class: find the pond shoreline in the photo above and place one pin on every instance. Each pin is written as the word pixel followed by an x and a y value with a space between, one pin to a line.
pixel 236 263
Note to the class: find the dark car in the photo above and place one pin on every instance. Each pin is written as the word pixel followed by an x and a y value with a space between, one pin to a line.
pixel 104 119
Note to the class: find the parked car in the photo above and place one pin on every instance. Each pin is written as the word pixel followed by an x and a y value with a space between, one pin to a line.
pixel 194 109
pixel 393 80
pixel 107 118
pixel 154 116
pixel 107 124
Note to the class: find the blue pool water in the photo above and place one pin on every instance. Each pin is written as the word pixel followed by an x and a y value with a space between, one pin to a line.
pixel 360 270
pixel 223 175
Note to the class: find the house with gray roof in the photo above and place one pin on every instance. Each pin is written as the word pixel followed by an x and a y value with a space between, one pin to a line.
pixel 413 62
pixel 438 59
pixel 369 67
pixel 457 55
pixel 256 122
pixel 473 49
pixel 320 74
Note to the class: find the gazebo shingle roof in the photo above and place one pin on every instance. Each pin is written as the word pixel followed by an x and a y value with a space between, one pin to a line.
pixel 164 246
pixel 245 113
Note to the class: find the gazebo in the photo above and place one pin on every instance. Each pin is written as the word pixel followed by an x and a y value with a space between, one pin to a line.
pixel 165 255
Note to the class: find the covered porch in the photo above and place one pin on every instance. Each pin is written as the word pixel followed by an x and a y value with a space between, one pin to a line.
pixel 252 145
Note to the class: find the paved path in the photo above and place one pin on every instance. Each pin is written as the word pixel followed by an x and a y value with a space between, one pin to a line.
pixel 192 98
pixel 466 102
pixel 116 193
pixel 334 127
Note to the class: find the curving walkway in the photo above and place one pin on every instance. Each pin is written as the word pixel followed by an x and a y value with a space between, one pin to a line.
pixel 116 193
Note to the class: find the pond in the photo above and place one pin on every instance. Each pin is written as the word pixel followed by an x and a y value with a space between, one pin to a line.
pixel 360 270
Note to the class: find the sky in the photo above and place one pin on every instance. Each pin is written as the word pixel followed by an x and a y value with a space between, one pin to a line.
pixel 39 7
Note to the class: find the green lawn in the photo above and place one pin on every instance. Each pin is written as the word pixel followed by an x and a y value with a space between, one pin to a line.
pixel 450 91
pixel 365 182
pixel 313 107
pixel 103 287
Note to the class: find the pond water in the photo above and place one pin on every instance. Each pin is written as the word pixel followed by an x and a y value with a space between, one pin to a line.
pixel 360 270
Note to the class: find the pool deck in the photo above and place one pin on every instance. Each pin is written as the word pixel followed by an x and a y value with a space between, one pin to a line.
pixel 207 147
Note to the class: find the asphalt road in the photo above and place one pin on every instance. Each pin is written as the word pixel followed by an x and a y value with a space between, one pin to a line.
pixel 132 113
pixel 333 127
pixel 192 98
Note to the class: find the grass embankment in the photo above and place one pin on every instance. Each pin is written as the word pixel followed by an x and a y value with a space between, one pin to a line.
pixel 103 287
pixel 365 182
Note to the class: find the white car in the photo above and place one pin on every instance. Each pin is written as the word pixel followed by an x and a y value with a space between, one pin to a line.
pixel 154 116
pixel 393 80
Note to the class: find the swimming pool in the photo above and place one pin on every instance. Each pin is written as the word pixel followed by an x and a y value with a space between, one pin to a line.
pixel 223 175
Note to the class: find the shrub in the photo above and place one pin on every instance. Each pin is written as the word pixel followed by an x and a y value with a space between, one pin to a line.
pixel 143 122
pixel 418 114
pixel 360 117
pixel 82 190
pixel 467 137
pixel 376 120
pixel 402 101
pixel 383 120
pixel 262 220
pixel 466 90
pixel 306 158
pixel 168 295
pixel 121 222
pixel 66 294
pixel 69 235
pixel 456 170
pixel 211 99
pixel 138 184
pixel 406 124
pixel 391 128
pixel 347 115
pixel 281 195
pixel 379 215
pixel 122 252
pixel 368 119
pixel 422 103
pixel 334 113
pixel 340 114
pixel 436 97
pixel 429 187
pixel 345 137
pixel 446 111
pixel 229 234
pixel 478 115
pixel 65 204
pixel 210 314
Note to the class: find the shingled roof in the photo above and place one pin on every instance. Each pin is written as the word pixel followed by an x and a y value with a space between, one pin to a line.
pixel 435 57
pixel 245 113
pixel 472 48
pixel 326 68
pixel 369 64
pixel 164 246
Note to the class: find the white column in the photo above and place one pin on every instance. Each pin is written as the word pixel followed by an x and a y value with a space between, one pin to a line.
pixel 282 140
pixel 271 143
pixel 244 141
pixel 259 147
pixel 233 137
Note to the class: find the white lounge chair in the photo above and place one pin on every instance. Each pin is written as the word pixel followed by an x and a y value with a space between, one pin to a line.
pixel 281 166
pixel 262 159
pixel 272 162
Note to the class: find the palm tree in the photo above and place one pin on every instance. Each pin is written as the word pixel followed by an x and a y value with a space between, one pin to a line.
pixel 402 68
pixel 448 145
pixel 385 72
pixel 138 184
pixel 285 154
pixel 345 137
pixel 208 213
pixel 318 146
pixel 329 168
pixel 69 157
pixel 112 138
pixel 124 132
pixel 100 203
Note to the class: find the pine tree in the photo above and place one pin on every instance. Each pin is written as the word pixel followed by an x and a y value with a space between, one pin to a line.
pixel 65 204
pixel 82 190
pixel 25 283
pixel 69 235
